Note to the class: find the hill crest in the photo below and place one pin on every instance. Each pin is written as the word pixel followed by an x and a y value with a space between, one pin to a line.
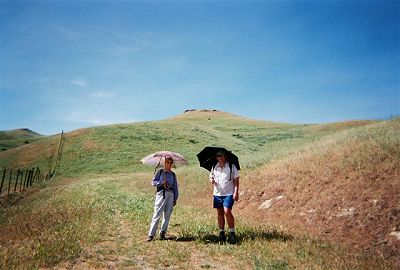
pixel 20 133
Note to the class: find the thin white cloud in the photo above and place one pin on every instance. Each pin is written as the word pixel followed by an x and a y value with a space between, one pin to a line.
pixel 79 82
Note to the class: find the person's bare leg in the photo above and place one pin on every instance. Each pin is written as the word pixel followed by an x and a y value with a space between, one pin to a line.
pixel 229 218
pixel 221 218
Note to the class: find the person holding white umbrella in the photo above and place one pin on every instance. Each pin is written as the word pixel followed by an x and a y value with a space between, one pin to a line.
pixel 166 182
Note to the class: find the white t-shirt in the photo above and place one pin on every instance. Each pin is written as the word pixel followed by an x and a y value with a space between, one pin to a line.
pixel 224 185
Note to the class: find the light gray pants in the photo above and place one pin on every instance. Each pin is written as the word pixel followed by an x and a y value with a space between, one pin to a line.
pixel 162 205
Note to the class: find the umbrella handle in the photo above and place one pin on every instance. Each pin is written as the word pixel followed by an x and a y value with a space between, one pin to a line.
pixel 159 162
pixel 213 175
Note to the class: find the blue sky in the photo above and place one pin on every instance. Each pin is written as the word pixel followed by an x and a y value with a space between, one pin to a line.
pixel 65 65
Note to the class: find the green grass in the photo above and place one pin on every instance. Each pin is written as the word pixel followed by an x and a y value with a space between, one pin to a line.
pixel 14 138
pixel 98 209
pixel 68 220
pixel 119 148
pixel 59 222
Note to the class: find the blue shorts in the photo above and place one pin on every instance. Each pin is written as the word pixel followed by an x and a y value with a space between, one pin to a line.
pixel 223 201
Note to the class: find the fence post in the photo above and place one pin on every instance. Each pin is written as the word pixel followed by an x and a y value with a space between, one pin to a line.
pixel 36 175
pixel 16 181
pixel 2 181
pixel 26 178
pixel 39 175
pixel 20 184
pixel 58 155
pixel 9 182
pixel 28 172
pixel 31 176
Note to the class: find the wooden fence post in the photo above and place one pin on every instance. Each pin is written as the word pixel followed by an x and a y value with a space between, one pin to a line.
pixel 58 158
pixel 33 173
pixel 30 177
pixel 2 180
pixel 16 181
pixel 24 182
pixel 36 175
pixel 9 183
pixel 26 179
pixel 20 184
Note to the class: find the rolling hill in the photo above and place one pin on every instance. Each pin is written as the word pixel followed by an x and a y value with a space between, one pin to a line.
pixel 345 188
pixel 17 137
pixel 337 181
pixel 118 148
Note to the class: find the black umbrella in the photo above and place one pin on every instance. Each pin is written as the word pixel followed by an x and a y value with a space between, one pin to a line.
pixel 207 157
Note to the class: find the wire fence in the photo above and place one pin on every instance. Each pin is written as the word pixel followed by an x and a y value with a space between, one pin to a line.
pixel 17 180
pixel 14 181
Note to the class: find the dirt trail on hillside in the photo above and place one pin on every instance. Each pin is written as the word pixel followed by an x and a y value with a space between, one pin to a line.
pixel 117 251
pixel 113 252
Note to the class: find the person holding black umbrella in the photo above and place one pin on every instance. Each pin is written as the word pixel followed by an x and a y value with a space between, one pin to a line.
pixel 224 177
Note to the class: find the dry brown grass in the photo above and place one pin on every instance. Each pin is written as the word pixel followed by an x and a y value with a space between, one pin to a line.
pixel 338 126
pixel 345 189
pixel 27 155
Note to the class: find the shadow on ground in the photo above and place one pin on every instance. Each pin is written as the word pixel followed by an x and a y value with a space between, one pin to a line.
pixel 245 235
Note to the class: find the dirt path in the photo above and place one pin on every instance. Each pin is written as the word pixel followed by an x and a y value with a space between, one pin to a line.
pixel 114 252
pixel 122 249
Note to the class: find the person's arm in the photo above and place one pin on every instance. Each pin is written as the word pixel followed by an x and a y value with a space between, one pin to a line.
pixel 236 193
pixel 176 191
pixel 236 182
pixel 156 179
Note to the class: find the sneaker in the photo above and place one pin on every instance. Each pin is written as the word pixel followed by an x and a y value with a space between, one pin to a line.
pixel 232 238
pixel 149 238
pixel 222 237
pixel 162 235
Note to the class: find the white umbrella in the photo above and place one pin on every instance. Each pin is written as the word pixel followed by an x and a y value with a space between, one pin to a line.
pixel 158 158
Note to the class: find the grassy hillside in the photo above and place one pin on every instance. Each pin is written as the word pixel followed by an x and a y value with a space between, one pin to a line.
pixel 17 137
pixel 101 222
pixel 119 148
pixel 40 152
pixel 96 213
pixel 345 187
